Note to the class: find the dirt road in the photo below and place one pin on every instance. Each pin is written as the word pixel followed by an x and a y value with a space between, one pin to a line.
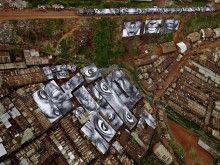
pixel 194 154
pixel 16 14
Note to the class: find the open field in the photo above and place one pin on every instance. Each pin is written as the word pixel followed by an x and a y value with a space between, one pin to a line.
pixel 194 154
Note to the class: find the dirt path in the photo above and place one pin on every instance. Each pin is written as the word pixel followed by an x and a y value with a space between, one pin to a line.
pixel 16 14
pixel 183 20
pixel 194 154
pixel 65 36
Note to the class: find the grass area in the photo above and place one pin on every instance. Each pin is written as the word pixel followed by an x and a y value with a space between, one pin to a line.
pixel 166 37
pixel 199 21
pixel 180 120
pixel 133 141
pixel 150 160
pixel 199 3
pixel 104 41
pixel 53 27
pixel 192 154
pixel 48 49
pixel 69 53
pixel 104 4
pixel 133 72
pixel 178 150
pixel 90 3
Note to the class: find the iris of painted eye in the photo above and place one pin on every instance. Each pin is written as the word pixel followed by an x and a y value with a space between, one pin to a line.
pixel 103 127
pixel 110 116
pixel 53 68
pixel 43 94
pixel 129 117
pixel 57 112
pixel 104 87
pixel 90 72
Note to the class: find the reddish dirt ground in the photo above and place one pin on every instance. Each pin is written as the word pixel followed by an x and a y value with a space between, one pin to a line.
pixel 189 142
pixel 183 20
pixel 16 14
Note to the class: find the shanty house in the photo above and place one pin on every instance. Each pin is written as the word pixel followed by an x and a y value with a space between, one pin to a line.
pixel 207 33
pixel 168 47
pixel 193 37
pixel 216 32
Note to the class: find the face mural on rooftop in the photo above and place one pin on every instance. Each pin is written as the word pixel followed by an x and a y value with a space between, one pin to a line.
pixel 52 101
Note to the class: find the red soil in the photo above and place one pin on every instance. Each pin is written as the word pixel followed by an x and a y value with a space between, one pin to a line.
pixel 189 141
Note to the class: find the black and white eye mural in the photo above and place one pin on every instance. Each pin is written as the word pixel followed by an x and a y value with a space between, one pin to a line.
pixel 116 103
pixel 152 26
pixel 89 130
pixel 96 95
pixel 52 101
pixel 72 84
pixel 90 73
pixel 109 115
pixel 58 68
pixel 127 92
pixel 104 129
pixel 60 71
pixel 105 109
pixel 86 100
pixel 146 117
pixel 131 29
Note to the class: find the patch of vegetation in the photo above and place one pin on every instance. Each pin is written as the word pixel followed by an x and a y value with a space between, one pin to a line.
pixel 67 50
pixel 18 50
pixel 166 37
pixel 192 154
pixel 53 27
pixel 131 46
pixel 134 51
pixel 106 50
pixel 199 21
pixel 133 71
pixel 102 4
pixel 195 3
pixel 178 150
pixel 69 53
pixel 200 3
pixel 48 49
pixel 150 160
pixel 128 4
pixel 180 120
pixel 89 3
pixel 133 141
